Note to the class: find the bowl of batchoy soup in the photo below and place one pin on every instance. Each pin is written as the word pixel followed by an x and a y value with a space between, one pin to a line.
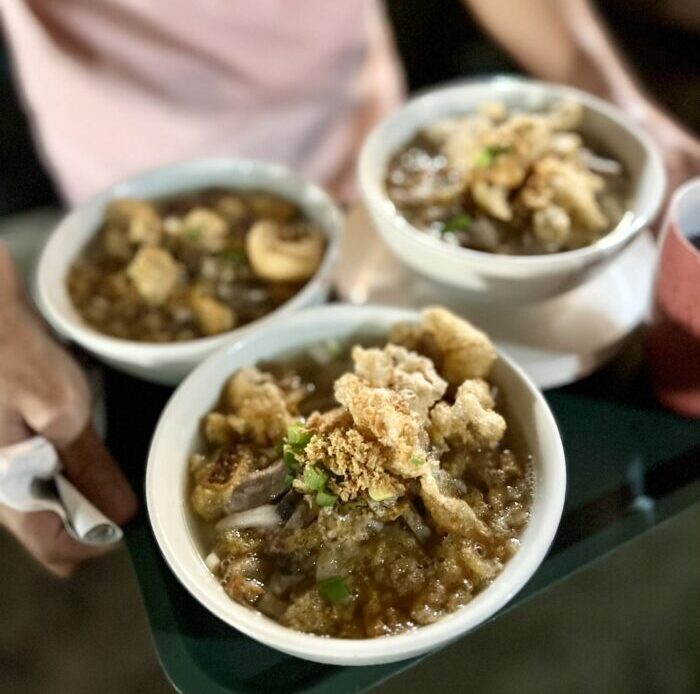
pixel 155 273
pixel 356 484
pixel 510 189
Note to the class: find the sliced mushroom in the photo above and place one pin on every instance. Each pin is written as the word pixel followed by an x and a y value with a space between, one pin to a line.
pixel 493 199
pixel 262 487
pixel 205 229
pixel 213 316
pixel 281 253
pixel 116 243
pixel 232 208
pixel 140 219
pixel 551 225
pixel 154 273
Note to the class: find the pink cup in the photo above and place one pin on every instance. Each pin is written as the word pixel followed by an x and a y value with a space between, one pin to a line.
pixel 674 335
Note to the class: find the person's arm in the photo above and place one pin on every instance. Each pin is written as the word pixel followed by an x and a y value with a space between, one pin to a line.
pixel 43 391
pixel 565 41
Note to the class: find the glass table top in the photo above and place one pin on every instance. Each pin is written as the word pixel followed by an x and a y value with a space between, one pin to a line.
pixel 630 466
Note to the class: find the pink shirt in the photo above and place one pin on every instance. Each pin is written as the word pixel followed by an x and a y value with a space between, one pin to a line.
pixel 117 86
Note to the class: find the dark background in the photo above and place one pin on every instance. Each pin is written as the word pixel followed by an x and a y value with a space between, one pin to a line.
pixel 437 41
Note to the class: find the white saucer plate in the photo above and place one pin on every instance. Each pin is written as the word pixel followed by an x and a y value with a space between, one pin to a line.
pixel 557 341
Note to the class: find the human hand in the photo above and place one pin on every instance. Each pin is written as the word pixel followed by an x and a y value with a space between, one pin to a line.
pixel 43 391
pixel 679 147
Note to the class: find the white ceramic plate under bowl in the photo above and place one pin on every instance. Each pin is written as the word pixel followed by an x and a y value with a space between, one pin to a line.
pixel 557 341
pixel 177 436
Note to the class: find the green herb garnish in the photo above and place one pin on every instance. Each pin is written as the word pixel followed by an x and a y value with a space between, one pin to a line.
pixel 486 156
pixel 193 233
pixel 298 437
pixel 315 478
pixel 290 460
pixel 235 257
pixel 460 222
pixel 334 589
pixel 417 461
pixel 288 480
pixel 324 498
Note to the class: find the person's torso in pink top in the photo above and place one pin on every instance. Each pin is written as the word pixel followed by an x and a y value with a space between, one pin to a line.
pixel 117 86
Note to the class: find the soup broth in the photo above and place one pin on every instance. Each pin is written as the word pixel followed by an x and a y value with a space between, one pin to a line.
pixel 508 182
pixel 357 538
pixel 193 265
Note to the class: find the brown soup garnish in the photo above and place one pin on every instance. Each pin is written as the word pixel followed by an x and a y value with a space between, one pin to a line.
pixel 508 182
pixel 193 265
pixel 365 491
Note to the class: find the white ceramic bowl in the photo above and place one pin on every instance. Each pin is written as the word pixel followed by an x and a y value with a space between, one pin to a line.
pixel 170 362
pixel 177 436
pixel 488 277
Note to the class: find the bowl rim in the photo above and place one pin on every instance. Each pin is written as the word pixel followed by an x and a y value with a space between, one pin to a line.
pixel 332 649
pixel 83 333
pixel 688 189
pixel 378 201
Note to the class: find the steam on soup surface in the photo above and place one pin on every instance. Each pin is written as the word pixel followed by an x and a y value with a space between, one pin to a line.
pixel 193 265
pixel 362 491
pixel 508 182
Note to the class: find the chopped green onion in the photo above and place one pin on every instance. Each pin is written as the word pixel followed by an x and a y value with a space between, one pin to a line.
pixel 486 156
pixel 315 478
pixel 298 437
pixel 290 460
pixel 288 480
pixel 236 257
pixel 460 222
pixel 324 498
pixel 334 589
pixel 417 461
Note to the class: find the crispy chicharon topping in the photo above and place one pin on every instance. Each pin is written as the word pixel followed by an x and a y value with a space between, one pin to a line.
pixel 376 515
pixel 361 463
pixel 261 407
pixel 392 425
